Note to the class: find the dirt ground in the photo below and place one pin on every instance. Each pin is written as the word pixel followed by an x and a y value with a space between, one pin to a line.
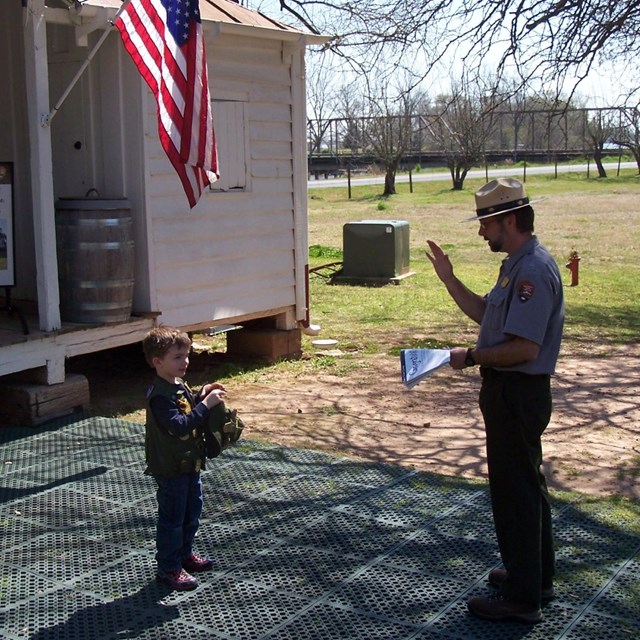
pixel 592 444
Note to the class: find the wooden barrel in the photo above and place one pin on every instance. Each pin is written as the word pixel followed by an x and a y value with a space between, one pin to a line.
pixel 95 259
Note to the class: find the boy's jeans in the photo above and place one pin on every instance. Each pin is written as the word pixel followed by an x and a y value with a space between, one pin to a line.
pixel 179 510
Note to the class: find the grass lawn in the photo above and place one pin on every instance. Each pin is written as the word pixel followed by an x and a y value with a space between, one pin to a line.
pixel 600 219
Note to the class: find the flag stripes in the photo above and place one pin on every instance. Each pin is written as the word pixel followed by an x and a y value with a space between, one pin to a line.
pixel 164 39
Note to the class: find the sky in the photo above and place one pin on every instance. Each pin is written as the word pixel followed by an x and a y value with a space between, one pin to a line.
pixel 604 87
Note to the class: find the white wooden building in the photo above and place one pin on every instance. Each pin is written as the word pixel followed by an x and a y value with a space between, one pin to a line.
pixel 240 255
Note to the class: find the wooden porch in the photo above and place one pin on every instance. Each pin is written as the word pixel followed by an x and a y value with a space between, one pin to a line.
pixel 34 384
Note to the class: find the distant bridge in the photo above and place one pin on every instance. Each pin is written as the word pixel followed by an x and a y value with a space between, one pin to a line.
pixel 531 135
pixel 331 164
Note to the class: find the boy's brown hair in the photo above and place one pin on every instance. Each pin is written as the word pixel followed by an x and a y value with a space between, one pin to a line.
pixel 160 339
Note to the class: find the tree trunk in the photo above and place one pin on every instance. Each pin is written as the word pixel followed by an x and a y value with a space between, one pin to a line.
pixel 597 157
pixel 390 181
pixel 458 174
pixel 636 154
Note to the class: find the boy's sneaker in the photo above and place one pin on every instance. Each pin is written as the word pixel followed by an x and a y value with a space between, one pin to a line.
pixel 179 580
pixel 195 563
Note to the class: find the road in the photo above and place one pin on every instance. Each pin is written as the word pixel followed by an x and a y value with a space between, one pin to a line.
pixel 611 168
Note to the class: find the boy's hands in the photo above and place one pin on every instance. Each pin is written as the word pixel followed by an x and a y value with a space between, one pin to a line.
pixel 213 394
pixel 208 388
pixel 214 397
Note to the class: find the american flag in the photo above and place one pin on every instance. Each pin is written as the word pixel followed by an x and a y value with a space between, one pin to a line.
pixel 164 39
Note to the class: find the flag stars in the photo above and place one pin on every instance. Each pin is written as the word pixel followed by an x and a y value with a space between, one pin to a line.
pixel 180 15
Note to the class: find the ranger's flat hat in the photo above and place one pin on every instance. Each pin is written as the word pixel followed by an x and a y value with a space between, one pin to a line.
pixel 499 196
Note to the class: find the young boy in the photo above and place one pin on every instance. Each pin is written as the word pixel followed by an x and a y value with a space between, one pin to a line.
pixel 175 454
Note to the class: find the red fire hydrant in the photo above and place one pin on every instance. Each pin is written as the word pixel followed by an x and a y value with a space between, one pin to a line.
pixel 573 266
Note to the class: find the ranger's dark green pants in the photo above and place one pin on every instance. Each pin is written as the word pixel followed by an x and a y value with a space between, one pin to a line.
pixel 517 408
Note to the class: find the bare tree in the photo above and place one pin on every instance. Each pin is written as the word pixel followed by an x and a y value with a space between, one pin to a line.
pixel 389 128
pixel 600 130
pixel 547 39
pixel 627 133
pixel 321 101
pixel 539 122
pixel 351 109
pixel 462 126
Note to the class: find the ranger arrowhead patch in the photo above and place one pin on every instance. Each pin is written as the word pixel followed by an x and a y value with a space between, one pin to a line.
pixel 525 290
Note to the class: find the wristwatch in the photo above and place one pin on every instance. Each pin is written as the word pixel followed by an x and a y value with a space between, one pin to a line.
pixel 469 361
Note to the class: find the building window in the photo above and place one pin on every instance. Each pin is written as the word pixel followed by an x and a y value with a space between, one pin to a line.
pixel 232 138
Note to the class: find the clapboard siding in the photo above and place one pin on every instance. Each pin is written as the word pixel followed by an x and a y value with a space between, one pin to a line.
pixel 207 251
pixel 270 131
pixel 272 185
pixel 265 112
pixel 272 150
pixel 262 93
pixel 228 207
pixel 204 314
pixel 253 52
pixel 223 227
pixel 250 59
pixel 274 296
pixel 182 293
pixel 271 169
pixel 257 79
pixel 234 252
pixel 229 274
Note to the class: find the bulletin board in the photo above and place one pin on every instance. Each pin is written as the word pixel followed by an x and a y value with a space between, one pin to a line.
pixel 7 257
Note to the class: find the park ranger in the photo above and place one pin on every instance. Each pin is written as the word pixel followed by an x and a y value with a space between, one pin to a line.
pixel 521 322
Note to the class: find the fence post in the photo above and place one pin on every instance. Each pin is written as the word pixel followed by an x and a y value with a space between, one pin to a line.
pixel 619 162
pixel 349 182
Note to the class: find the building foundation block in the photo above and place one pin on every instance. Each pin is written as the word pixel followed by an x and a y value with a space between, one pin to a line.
pixel 29 404
pixel 267 344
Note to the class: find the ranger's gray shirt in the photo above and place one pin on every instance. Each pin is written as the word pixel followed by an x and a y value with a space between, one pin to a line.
pixel 527 301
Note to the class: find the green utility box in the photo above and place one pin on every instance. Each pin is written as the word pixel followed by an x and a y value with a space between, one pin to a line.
pixel 375 249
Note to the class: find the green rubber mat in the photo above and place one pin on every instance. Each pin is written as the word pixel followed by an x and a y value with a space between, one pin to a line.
pixel 306 546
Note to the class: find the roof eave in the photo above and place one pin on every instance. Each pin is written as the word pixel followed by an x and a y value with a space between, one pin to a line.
pixel 266 33
pixel 99 13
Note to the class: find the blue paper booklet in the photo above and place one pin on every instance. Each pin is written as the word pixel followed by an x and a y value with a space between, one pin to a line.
pixel 417 364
